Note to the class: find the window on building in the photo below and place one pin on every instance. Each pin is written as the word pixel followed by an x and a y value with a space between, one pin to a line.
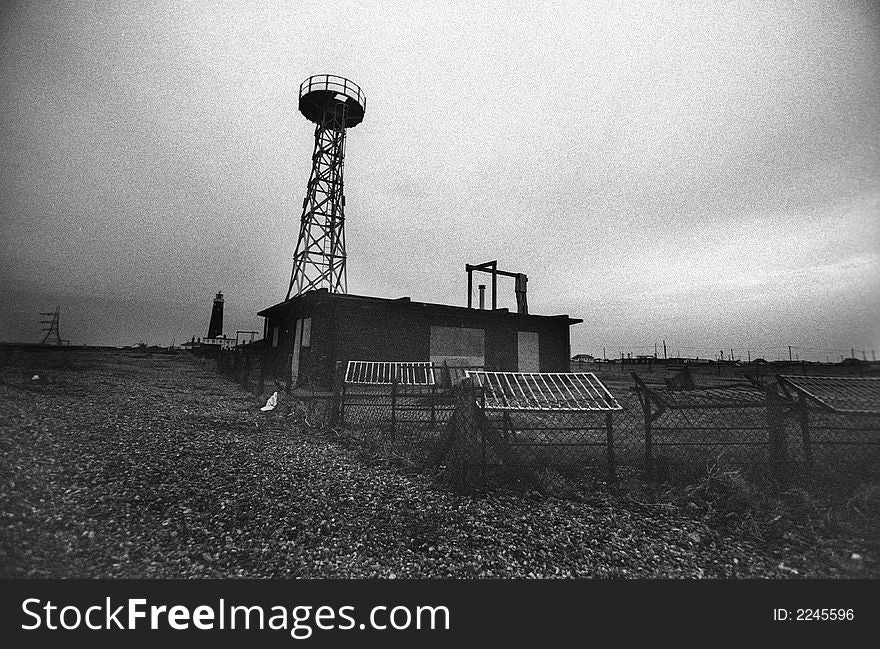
pixel 275 336
pixel 458 346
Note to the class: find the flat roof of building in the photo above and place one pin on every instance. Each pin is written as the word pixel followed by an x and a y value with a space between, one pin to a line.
pixel 323 294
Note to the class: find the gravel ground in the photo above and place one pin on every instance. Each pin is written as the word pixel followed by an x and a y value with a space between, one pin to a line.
pixel 130 465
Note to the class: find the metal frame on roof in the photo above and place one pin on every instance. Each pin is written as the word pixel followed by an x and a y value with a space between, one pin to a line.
pixel 544 391
pixel 840 394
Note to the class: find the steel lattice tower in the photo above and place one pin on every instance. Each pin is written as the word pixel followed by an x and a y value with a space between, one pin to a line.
pixel 53 331
pixel 334 104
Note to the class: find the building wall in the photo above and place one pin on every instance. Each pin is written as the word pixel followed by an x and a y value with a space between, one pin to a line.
pixel 397 330
pixel 369 331
pixel 315 362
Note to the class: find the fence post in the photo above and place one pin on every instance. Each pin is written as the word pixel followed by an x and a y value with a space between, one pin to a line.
pixel 804 419
pixel 393 406
pixel 777 439
pixel 483 456
pixel 646 409
pixel 609 429
pixel 470 398
pixel 466 448
pixel 644 398
pixel 339 388
pixel 433 407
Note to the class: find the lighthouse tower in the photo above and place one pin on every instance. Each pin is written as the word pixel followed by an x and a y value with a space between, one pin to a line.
pixel 215 329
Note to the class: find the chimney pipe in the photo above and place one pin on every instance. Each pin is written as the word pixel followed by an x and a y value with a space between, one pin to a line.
pixel 482 288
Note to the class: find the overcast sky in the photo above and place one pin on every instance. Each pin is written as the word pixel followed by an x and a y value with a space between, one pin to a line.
pixel 707 173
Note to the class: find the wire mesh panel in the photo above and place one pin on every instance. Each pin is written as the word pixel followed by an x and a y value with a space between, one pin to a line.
pixel 533 391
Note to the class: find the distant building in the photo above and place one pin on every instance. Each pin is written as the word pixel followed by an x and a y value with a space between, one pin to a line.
pixel 209 344
pixel 220 342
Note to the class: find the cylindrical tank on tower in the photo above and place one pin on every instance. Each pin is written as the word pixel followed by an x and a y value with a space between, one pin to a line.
pixel 331 101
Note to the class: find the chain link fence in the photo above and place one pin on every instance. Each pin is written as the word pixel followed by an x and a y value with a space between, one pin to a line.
pixel 660 433
pixel 406 422
pixel 835 422
pixel 684 431
pixel 254 369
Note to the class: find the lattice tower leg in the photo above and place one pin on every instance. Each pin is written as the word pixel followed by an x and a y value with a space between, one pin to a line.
pixel 319 260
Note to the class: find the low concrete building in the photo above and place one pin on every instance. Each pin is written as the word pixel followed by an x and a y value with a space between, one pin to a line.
pixel 306 335
pixel 218 342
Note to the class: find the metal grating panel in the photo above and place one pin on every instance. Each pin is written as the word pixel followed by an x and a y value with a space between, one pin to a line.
pixel 385 373
pixel 554 391
pixel 732 396
pixel 738 397
pixel 849 394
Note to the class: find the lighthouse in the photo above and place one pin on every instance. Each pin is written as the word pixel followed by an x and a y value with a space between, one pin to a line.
pixel 215 329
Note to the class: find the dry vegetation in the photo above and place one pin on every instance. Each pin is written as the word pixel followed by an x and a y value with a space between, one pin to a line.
pixel 126 464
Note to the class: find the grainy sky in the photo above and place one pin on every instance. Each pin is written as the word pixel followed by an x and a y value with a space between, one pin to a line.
pixel 704 173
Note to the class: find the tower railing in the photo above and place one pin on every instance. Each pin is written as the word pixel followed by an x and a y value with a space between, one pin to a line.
pixel 334 83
